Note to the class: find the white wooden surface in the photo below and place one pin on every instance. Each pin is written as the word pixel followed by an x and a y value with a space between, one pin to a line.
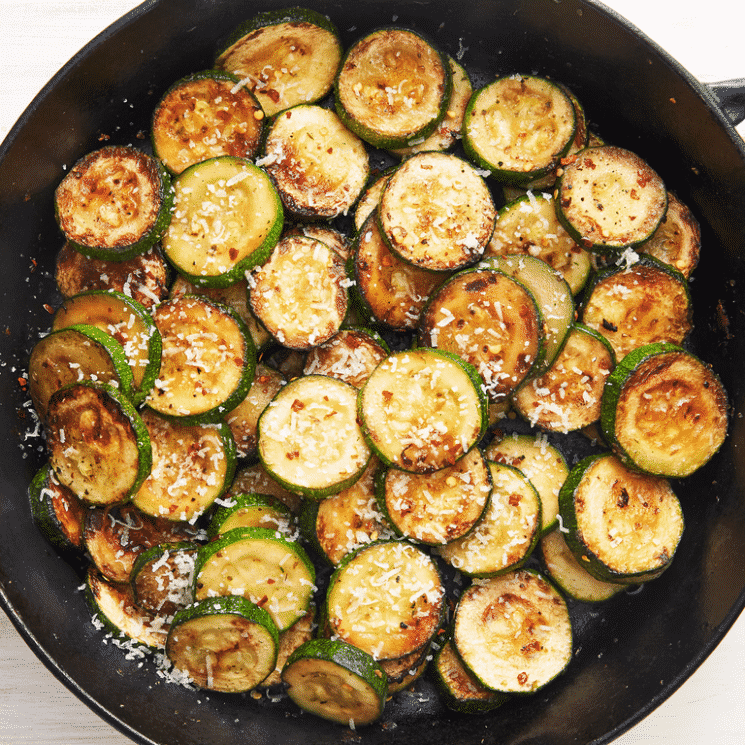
pixel 36 38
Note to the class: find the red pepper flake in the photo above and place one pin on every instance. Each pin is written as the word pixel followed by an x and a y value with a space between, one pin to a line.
pixel 48 308
pixel 23 383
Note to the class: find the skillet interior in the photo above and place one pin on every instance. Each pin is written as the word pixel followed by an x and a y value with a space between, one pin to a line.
pixel 632 652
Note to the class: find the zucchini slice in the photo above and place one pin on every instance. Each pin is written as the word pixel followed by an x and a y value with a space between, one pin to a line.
pixel 392 88
pixel 260 565
pixel 541 462
pixel 491 320
pixel 513 632
pixel 664 411
pixel 422 410
pixel 300 294
pixel 252 510
pixel 289 640
pixel 309 438
pixel 162 578
pixel 569 575
pixel 115 611
pixel 622 526
pixel 386 598
pixel 528 226
pixel 389 290
pixel 243 420
pixel 203 116
pixel 339 524
pixel 370 198
pixel 114 203
pixel 351 355
pixel 333 237
pixel 436 508
pixel 128 321
pixel 208 360
pixel 115 536
pixel 57 512
pixel 336 681
pixel 608 198
pixel 644 303
pixel 552 294
pixel 507 533
pixel 254 478
pixel 72 354
pixel 98 445
pixel 144 277
pixel 227 216
pixel 234 296
pixel 568 396
pixel 318 166
pixel 192 466
pixel 436 212
pixel 461 691
pixel 286 57
pixel 518 127
pixel 223 644
pixel 677 240
pixel 448 130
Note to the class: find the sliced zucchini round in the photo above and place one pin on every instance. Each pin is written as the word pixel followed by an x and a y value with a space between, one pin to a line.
pixel 192 466
pixel 569 575
pixel 608 198
pixel 677 240
pixel 223 644
pixel 336 681
pixel 392 88
pixel 422 410
pixel 351 355
pixel 664 411
pixel 370 198
pixel 286 57
pixel 114 203
pixel 254 478
pixel 388 290
pixel 227 217
pixel 448 130
pixel 491 320
pixel 162 578
pixel 252 510
pixel 461 691
pixel 507 533
pixel 541 462
pixel 260 565
pixel 57 512
pixel 568 396
pixel 528 225
pixel 646 302
pixel 205 115
pixel 144 277
pixel 518 127
pixel 208 360
pixel 301 293
pixel 553 295
pixel 386 598
pixel 98 445
pixel 301 631
pixel 115 611
pixel 128 321
pixel 318 166
pixel 436 508
pixel 513 632
pixel 436 212
pixel 309 438
pixel 622 526
pixel 72 354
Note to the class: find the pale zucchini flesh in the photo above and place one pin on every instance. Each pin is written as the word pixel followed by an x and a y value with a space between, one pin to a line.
pixel 513 632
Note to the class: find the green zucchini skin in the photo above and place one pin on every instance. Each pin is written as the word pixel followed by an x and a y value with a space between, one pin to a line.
pixel 347 662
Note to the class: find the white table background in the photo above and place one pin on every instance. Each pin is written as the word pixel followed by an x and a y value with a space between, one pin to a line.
pixel 37 37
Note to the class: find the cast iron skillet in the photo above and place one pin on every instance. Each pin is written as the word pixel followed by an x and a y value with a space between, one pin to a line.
pixel 631 653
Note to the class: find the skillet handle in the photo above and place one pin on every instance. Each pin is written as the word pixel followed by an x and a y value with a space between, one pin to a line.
pixel 731 96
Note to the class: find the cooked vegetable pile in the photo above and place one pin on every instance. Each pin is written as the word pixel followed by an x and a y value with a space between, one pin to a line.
pixel 314 422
